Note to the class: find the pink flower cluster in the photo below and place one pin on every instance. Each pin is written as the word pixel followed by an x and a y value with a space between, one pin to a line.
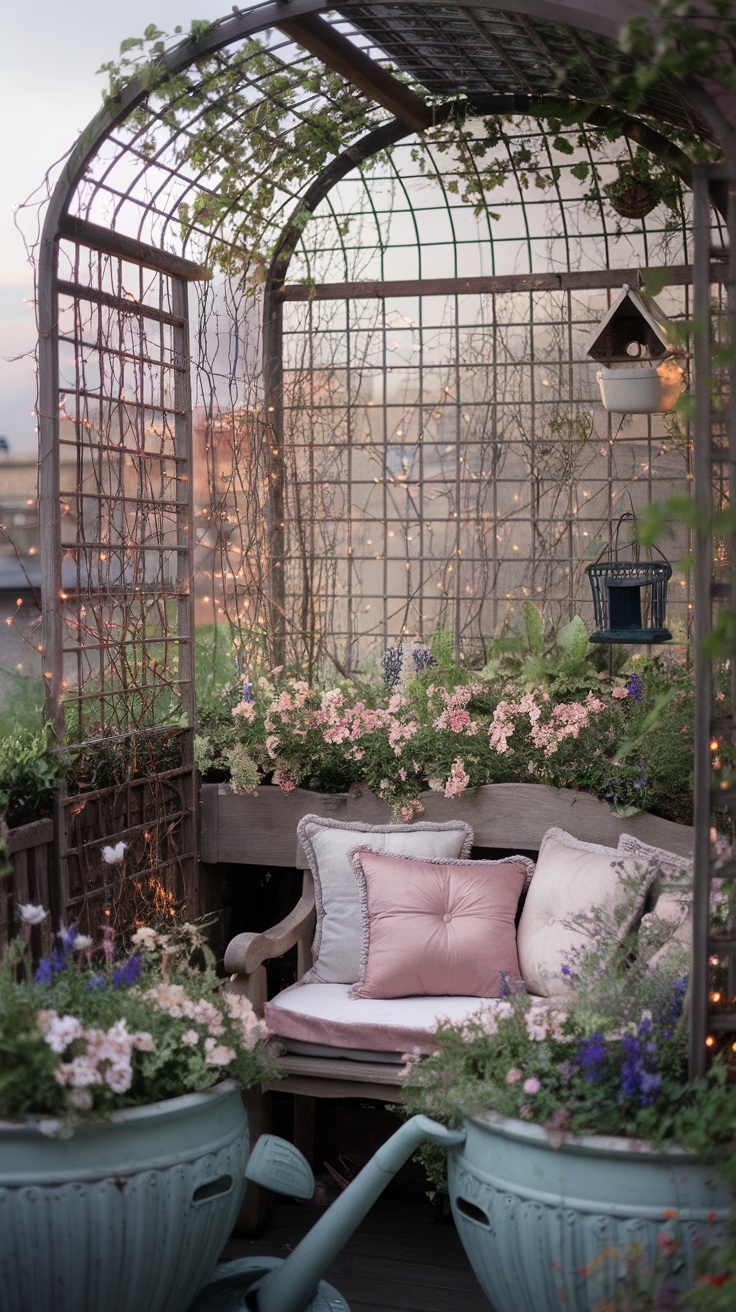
pixel 106 1058
pixel 563 721
pixel 458 779
pixel 173 999
pixel 455 716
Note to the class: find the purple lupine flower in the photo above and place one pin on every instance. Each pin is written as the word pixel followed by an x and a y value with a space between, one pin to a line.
pixel 58 961
pixel 422 658
pixel 638 1079
pixel 391 664
pixel 671 1011
pixel 127 974
pixel 592 1053
pixel 635 688
pixel 247 690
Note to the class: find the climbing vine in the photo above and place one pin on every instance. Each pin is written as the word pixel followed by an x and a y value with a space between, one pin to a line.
pixel 257 129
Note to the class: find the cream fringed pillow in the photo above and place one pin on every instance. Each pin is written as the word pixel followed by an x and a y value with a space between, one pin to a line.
pixel 326 842
pixel 570 880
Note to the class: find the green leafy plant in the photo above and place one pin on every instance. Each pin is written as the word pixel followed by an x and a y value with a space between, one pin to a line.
pixel 29 775
pixel 536 654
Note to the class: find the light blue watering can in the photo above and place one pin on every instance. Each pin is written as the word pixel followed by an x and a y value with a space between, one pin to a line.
pixel 294 1284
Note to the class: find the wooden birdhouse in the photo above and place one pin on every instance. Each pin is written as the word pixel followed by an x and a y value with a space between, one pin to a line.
pixel 634 334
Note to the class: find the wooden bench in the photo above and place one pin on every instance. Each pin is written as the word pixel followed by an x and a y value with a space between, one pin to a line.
pixel 504 817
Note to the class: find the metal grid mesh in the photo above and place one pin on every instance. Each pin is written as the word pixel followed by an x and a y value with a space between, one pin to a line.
pixel 440 456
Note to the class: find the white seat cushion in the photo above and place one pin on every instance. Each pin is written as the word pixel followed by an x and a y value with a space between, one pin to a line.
pixel 325 1014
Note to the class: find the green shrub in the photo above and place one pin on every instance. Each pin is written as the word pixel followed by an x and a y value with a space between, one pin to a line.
pixel 29 774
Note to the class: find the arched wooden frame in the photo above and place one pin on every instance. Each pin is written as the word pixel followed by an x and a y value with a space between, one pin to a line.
pixel 714 104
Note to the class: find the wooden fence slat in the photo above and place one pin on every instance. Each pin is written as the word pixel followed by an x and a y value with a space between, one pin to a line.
pixel 29 853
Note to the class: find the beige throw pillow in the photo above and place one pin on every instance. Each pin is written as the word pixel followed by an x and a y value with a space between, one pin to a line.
pixel 570 880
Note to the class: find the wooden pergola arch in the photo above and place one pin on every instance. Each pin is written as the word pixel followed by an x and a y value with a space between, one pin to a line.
pixel 405 31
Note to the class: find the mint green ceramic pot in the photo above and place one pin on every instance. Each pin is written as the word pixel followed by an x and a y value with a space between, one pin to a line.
pixel 549 1228
pixel 128 1215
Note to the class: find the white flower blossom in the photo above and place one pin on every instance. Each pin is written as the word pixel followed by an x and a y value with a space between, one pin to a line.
pixel 113 856
pixel 59 1031
pixel 81 1099
pixel 49 1125
pixel 82 943
pixel 145 937
pixel 30 914
pixel 216 1054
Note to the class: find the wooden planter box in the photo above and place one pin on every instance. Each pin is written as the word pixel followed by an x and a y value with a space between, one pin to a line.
pixel 27 878
pixel 261 829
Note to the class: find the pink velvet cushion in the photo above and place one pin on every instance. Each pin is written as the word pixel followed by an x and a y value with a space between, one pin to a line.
pixel 437 927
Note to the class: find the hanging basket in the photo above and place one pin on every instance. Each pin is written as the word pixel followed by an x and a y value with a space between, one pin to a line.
pixel 641 391
pixel 632 197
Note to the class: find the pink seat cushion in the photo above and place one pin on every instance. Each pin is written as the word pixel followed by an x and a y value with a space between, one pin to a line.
pixel 437 927
pixel 324 1014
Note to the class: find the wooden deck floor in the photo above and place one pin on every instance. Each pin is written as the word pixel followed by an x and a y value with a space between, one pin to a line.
pixel 398 1260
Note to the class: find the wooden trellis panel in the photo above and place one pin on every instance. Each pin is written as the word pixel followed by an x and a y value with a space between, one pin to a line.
pixel 713 972
pixel 119 624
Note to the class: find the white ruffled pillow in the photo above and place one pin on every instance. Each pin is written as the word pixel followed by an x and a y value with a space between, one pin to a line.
pixel 338 936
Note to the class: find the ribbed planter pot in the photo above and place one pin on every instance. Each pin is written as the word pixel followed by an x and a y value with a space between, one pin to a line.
pixel 128 1215
pixel 552 1228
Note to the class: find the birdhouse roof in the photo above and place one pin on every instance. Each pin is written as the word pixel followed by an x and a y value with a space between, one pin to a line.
pixel 631 318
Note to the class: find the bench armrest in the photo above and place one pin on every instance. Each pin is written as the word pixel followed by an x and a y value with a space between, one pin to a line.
pixel 246 952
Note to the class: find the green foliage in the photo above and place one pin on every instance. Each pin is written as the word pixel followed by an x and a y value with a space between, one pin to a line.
pixel 536 655
pixel 21 702
pixel 534 629
pixel 29 774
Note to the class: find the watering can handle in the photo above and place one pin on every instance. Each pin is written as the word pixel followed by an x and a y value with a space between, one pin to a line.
pixel 289 1286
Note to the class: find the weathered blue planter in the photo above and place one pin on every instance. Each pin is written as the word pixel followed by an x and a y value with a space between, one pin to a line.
pixel 552 1228
pixel 128 1215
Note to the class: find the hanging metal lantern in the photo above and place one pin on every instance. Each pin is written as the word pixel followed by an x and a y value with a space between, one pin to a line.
pixel 617 596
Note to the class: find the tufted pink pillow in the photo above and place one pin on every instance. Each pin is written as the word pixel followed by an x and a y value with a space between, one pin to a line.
pixel 438 927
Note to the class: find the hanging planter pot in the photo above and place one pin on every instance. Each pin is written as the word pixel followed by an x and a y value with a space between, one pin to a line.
pixel 641 391
pixel 633 196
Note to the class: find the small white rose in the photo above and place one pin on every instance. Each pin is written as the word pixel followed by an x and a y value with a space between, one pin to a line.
pixel 31 915
pixel 82 943
pixel 113 856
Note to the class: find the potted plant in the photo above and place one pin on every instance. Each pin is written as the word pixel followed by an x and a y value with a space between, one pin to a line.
pixel 589 1175
pixel 123 1137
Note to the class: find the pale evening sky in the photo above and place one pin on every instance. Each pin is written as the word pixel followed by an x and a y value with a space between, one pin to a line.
pixel 49 91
